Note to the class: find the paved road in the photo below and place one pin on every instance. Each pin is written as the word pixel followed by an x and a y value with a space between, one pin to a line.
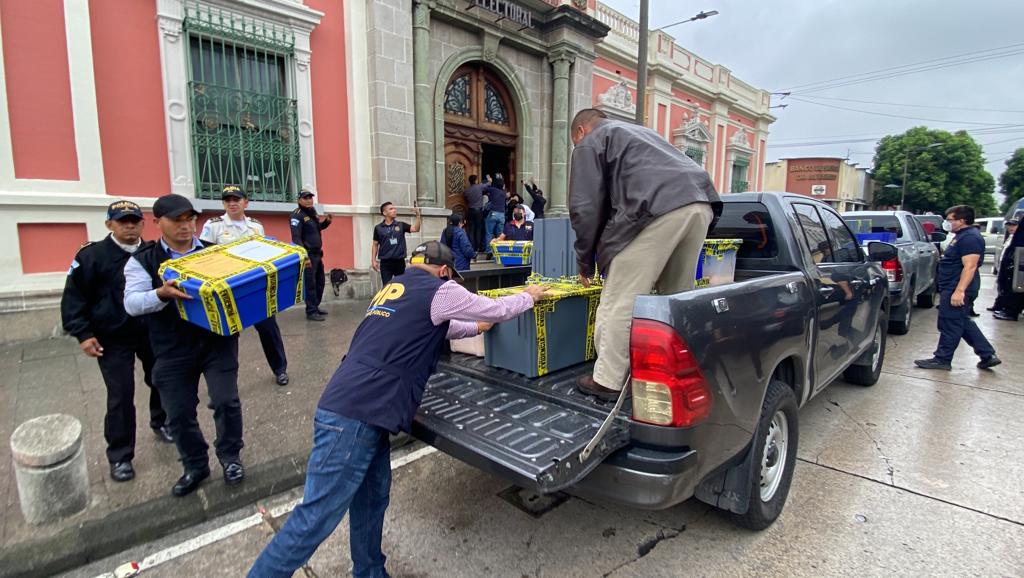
pixel 919 475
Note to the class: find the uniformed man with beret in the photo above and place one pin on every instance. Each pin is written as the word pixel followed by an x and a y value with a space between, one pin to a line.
pixel 306 226
pixel 233 226
pixel 92 310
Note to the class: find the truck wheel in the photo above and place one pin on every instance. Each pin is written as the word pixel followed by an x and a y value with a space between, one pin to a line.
pixel 774 447
pixel 871 370
pixel 900 324
pixel 926 300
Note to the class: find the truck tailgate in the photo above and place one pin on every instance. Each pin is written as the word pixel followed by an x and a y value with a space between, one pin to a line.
pixel 529 431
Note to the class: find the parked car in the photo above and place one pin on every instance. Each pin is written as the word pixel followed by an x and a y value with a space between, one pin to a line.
pixel 912 275
pixel 717 375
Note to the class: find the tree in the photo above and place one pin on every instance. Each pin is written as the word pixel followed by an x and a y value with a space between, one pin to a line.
pixel 937 177
pixel 1011 182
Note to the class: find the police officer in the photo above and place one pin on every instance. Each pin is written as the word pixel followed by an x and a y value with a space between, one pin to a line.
pixel 387 253
pixel 92 310
pixel 376 391
pixel 959 282
pixel 306 226
pixel 232 226
pixel 183 352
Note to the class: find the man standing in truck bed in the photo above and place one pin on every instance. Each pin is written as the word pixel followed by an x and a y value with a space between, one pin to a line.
pixel 633 198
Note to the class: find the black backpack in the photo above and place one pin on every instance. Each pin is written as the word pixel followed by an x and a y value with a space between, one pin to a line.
pixel 338 278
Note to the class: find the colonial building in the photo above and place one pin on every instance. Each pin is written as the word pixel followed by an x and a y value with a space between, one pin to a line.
pixel 834 180
pixel 362 101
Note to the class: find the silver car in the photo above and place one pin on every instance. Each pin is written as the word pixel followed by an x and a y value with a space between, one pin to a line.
pixel 912 276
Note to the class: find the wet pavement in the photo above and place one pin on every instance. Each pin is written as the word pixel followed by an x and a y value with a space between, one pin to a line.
pixel 918 475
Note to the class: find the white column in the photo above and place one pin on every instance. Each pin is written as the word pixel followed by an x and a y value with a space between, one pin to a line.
pixel 174 68
pixel 357 68
pixel 304 102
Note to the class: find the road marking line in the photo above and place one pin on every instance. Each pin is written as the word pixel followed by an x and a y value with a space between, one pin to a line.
pixel 229 530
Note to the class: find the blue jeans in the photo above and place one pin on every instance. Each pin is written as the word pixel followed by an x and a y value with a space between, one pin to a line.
pixel 956 324
pixel 494 227
pixel 349 470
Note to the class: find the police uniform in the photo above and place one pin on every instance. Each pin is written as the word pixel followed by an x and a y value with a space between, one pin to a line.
pixel 306 227
pixel 521 233
pixel 92 307
pixel 219 230
pixel 390 238
pixel 954 322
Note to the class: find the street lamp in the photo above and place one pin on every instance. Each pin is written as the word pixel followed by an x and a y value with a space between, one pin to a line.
pixel 906 163
pixel 641 65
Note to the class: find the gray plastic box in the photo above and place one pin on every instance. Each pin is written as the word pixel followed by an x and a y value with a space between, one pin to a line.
pixel 553 252
pixel 513 344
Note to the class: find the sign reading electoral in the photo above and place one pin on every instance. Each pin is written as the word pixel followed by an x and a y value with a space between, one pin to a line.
pixel 508 10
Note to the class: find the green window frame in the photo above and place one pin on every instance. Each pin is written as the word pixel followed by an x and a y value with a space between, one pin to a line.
pixel 244 121
pixel 739 176
pixel 695 153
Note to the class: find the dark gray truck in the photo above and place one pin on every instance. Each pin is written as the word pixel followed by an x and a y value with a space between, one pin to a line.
pixel 717 376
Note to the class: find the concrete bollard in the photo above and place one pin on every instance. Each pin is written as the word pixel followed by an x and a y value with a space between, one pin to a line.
pixel 49 464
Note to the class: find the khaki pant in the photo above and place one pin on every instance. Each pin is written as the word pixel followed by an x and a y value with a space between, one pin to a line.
pixel 663 256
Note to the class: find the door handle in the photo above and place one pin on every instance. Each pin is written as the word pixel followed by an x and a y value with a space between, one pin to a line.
pixel 857 283
pixel 826 291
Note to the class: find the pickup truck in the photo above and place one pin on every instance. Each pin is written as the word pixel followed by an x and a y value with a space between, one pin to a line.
pixel 717 375
pixel 913 274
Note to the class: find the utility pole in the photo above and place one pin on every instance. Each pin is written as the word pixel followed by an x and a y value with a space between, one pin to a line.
pixel 641 65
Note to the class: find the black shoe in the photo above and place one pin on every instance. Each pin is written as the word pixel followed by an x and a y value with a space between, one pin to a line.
pixel 990 309
pixel 316 317
pixel 189 482
pixel 1004 316
pixel 234 473
pixel 933 364
pixel 122 471
pixel 322 312
pixel 974 313
pixel 282 378
pixel 164 434
pixel 989 362
pixel 587 385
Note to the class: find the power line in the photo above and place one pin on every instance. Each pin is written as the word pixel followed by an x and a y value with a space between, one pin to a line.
pixel 900 116
pixel 976 109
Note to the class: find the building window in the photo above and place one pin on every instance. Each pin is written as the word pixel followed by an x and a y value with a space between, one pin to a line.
pixel 244 121
pixel 494 108
pixel 457 97
pixel 739 177
pixel 696 153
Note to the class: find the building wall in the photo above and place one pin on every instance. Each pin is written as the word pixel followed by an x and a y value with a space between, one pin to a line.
pixel 844 183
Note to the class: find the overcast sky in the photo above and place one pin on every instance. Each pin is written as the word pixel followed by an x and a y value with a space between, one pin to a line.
pixel 782 44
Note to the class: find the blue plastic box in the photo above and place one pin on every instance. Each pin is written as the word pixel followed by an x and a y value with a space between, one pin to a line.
pixel 509 253
pixel 238 284
pixel 865 238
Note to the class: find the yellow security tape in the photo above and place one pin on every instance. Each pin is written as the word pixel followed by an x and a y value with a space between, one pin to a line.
pixel 227 300
pixel 540 311
pixel 206 293
pixel 593 301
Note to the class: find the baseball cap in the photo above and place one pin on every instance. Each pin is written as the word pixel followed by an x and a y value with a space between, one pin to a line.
pixel 233 191
pixel 435 253
pixel 120 209
pixel 305 193
pixel 172 206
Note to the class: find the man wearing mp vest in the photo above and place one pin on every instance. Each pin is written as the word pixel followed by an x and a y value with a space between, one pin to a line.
pixel 233 226
pixel 376 391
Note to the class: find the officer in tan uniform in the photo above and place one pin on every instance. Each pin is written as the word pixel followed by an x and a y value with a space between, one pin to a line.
pixel 232 226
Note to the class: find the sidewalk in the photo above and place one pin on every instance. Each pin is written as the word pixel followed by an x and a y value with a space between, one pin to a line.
pixel 53 376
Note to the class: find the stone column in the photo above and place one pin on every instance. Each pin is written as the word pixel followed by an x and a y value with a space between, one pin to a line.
pixel 423 102
pixel 561 63
pixel 50 468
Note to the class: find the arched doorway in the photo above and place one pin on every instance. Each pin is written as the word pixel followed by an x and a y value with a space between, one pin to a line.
pixel 480 131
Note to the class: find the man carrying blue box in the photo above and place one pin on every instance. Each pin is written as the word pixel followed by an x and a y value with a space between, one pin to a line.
pixel 633 198
pixel 518 229
pixel 183 352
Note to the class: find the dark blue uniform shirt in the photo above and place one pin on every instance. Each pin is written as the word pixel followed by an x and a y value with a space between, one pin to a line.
pixel 391 239
pixel 514 233
pixel 495 200
pixel 967 242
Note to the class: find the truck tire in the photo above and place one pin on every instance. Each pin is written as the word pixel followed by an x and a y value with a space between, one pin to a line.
pixel 774 458
pixel 926 300
pixel 867 373
pixel 899 324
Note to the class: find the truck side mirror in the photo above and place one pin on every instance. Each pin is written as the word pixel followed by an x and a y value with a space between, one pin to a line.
pixel 879 251
pixel 938 237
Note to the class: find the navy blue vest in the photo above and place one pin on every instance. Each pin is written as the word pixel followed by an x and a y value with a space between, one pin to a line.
pixel 393 352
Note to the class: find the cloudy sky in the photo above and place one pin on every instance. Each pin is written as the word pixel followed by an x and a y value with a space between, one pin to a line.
pixel 779 45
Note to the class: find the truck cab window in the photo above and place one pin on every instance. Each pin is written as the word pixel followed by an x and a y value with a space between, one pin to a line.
pixel 844 245
pixel 814 233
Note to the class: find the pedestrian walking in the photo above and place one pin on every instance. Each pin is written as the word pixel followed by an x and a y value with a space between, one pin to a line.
pixel 495 222
pixel 958 284
pixel 306 225
pixel 232 226
pixel 183 352
pixel 454 237
pixel 92 310
pixel 475 208
pixel 387 252
pixel 538 202
pixel 636 200
pixel 374 392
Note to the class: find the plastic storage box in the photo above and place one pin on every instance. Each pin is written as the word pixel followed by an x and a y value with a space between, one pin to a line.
pixel 865 238
pixel 510 253
pixel 237 284
pixel 554 253
pixel 717 265
pixel 557 333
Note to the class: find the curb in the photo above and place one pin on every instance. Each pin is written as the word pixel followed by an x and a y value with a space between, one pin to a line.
pixel 97 539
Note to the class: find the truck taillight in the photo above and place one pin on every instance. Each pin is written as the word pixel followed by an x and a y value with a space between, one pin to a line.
pixel 668 386
pixel 893 270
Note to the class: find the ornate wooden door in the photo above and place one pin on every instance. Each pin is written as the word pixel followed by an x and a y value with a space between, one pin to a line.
pixel 461 159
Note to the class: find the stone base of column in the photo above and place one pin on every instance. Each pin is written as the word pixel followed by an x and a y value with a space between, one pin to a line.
pixel 50 468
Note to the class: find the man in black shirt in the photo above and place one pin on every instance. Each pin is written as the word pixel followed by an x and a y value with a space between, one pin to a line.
pixel 387 254
pixel 92 310
pixel 495 221
pixel 537 206
pixel 475 205
pixel 306 226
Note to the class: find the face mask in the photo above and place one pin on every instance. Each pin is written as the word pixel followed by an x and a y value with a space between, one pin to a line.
pixel 947 226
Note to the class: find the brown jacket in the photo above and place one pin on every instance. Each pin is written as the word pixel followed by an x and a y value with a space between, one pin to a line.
pixel 623 176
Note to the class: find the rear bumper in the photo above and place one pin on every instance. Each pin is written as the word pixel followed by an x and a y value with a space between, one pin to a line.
pixel 641 478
